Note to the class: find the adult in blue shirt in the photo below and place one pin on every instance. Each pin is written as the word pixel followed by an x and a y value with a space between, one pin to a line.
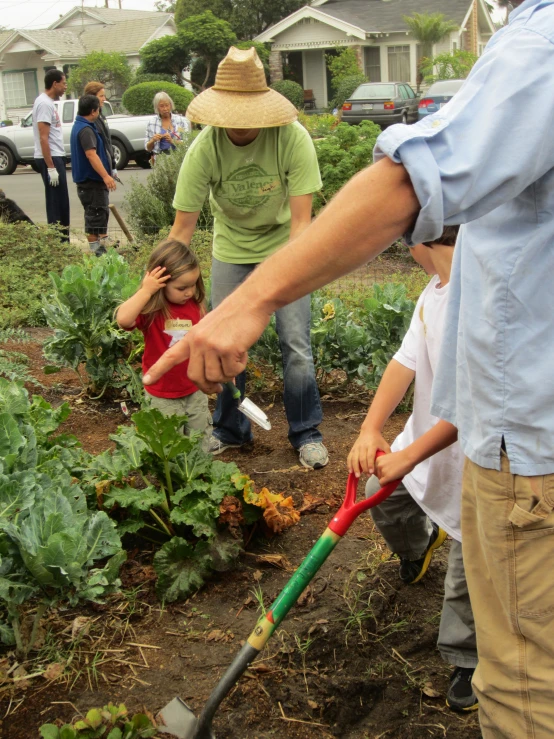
pixel 91 170
pixel 485 160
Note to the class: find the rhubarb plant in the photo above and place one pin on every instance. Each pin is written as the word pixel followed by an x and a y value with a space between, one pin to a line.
pixel 160 484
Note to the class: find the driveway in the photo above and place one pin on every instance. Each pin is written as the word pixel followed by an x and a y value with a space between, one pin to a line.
pixel 26 188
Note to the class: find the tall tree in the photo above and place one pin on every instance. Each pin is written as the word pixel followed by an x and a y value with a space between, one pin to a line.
pixel 208 39
pixel 111 68
pixel 252 17
pixel 428 29
pixel 167 55
pixel 186 8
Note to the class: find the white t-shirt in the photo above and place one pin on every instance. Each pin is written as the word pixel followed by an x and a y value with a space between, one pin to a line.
pixel 44 111
pixel 436 483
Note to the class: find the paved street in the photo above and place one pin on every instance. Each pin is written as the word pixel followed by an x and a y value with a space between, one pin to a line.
pixel 26 188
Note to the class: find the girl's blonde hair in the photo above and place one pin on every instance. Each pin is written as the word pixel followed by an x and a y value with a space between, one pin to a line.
pixel 177 258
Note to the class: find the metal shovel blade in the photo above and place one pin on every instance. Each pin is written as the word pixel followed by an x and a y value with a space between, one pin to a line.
pixel 179 721
pixel 255 414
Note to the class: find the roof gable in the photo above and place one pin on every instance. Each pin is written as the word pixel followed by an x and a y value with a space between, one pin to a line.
pixel 376 16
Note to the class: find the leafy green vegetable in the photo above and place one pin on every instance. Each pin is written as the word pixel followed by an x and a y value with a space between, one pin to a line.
pixel 81 312
pixel 51 545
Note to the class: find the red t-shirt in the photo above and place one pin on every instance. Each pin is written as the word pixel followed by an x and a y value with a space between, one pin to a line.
pixel 159 336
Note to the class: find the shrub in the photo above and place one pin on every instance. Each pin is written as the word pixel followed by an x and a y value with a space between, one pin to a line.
pixel 141 77
pixel 358 341
pixel 345 88
pixel 318 125
pixel 342 63
pixel 138 98
pixel 292 91
pixel 150 206
pixel 345 151
pixel 6 123
pixel 28 253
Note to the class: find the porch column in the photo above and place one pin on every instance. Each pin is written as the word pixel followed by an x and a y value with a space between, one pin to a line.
pixel 275 66
pixel 359 51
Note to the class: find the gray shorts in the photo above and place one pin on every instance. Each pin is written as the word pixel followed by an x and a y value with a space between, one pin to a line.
pixel 194 406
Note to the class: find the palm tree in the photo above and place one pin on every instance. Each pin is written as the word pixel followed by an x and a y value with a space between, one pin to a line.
pixel 428 29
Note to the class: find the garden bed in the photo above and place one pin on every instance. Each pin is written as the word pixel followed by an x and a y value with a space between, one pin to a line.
pixel 356 658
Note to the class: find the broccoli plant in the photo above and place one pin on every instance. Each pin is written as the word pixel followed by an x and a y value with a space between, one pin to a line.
pixel 81 312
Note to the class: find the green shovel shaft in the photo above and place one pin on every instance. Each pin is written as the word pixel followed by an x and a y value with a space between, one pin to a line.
pixel 293 589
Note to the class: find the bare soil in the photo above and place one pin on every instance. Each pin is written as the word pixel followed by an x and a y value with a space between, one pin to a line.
pixel 356 658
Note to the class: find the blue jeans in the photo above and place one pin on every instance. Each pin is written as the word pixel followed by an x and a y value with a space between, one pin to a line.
pixel 301 395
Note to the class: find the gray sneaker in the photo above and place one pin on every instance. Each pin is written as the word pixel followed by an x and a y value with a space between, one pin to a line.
pixel 314 455
pixel 215 446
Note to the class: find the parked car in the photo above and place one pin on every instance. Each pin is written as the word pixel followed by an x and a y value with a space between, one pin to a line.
pixel 438 95
pixel 17 144
pixel 381 102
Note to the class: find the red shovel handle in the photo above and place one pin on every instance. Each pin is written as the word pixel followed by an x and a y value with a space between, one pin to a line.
pixel 350 510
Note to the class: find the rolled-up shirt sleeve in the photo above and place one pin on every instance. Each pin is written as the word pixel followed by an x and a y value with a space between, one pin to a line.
pixel 488 144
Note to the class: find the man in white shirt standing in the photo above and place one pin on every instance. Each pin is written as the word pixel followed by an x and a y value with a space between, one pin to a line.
pixel 50 151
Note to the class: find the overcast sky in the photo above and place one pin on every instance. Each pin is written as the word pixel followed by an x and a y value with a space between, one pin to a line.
pixel 41 13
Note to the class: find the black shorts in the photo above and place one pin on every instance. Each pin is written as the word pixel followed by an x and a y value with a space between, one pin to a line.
pixel 95 198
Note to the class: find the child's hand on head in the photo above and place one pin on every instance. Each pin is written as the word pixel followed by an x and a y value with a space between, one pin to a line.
pixel 393 466
pixel 362 455
pixel 155 280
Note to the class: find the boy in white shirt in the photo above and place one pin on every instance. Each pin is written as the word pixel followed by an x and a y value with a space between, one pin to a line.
pixel 426 506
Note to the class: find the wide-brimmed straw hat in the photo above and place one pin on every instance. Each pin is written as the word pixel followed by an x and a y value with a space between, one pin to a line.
pixel 240 97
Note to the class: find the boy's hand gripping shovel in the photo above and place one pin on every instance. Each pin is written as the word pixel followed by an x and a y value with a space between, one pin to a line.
pixel 178 718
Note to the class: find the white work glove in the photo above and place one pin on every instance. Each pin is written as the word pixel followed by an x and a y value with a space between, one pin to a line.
pixel 114 174
pixel 53 176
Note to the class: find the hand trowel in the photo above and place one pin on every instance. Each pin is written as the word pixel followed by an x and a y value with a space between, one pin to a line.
pixel 249 408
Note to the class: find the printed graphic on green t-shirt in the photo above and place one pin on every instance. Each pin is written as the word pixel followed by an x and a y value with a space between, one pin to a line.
pixel 249 187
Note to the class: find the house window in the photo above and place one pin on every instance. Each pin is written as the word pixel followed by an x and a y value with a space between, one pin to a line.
pixel 454 46
pixel 372 63
pixel 399 63
pixel 20 88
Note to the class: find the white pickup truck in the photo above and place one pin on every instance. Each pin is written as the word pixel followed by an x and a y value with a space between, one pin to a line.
pixel 17 142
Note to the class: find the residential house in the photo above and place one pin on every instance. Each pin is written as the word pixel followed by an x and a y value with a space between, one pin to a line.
pixel 25 55
pixel 376 30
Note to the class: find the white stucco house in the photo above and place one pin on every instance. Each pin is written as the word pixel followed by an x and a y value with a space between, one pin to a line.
pixel 386 50
pixel 25 55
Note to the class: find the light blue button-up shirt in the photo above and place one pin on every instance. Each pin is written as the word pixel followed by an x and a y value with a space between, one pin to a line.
pixel 486 160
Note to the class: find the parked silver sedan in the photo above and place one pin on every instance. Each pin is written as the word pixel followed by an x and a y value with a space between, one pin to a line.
pixel 381 102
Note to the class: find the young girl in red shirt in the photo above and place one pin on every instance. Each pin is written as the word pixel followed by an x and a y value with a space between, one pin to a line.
pixel 169 302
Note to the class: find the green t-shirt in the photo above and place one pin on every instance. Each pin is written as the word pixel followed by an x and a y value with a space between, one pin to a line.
pixel 249 187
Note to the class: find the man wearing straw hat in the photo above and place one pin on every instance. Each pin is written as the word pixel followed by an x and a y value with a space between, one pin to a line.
pixel 260 169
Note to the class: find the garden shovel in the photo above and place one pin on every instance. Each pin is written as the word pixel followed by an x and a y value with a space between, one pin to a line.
pixel 178 718
pixel 249 408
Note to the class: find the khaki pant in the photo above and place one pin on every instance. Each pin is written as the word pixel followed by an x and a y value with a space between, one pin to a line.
pixel 195 406
pixel 508 549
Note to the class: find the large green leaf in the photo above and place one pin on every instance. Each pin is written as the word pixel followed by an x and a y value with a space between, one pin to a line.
pixel 17 493
pixel 224 550
pixel 135 500
pixel 101 537
pixel 11 440
pixel 198 512
pixel 130 446
pixel 14 399
pixel 181 569
pixel 162 433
